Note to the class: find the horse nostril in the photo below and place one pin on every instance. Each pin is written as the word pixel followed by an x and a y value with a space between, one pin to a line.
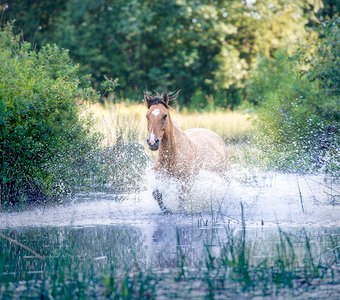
pixel 153 142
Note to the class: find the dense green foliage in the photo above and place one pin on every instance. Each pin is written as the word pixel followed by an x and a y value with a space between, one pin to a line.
pixel 280 56
pixel 44 145
pixel 299 110
pixel 326 64
pixel 202 47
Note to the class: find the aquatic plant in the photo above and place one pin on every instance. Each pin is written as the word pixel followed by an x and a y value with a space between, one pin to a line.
pixel 280 270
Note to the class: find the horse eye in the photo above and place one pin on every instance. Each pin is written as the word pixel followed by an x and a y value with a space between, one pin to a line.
pixel 164 117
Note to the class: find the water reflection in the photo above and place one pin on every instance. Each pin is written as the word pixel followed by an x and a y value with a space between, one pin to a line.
pixel 155 245
pixel 97 233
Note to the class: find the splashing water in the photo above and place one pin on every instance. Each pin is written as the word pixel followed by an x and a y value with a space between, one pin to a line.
pixel 268 198
pixel 99 230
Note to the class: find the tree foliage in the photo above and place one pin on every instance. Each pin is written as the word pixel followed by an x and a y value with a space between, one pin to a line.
pixel 202 47
pixel 326 64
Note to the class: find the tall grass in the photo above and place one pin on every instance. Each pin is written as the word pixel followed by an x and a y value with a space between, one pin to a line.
pixel 127 122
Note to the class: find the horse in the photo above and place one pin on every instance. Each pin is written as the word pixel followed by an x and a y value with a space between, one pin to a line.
pixel 181 154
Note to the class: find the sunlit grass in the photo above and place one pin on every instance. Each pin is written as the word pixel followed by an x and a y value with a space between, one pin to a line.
pixel 127 122
pixel 233 126
pixel 118 122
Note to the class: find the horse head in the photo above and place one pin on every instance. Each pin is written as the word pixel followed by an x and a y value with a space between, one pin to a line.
pixel 157 116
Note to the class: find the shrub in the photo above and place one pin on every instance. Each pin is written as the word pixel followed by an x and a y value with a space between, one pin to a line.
pixel 45 147
pixel 298 123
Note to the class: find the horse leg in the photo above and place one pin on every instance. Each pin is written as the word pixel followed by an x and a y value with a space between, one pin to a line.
pixel 183 195
pixel 159 198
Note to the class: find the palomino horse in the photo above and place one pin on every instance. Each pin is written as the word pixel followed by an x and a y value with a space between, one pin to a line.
pixel 181 155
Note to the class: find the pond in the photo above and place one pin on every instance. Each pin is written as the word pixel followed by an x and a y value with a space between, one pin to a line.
pixel 101 245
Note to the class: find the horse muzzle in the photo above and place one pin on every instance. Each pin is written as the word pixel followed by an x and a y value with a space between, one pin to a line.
pixel 153 145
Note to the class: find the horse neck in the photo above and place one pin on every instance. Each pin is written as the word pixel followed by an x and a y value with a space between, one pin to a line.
pixel 168 151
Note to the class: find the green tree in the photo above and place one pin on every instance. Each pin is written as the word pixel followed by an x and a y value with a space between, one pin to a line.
pixel 35 19
pixel 326 64
pixel 205 48
pixel 329 10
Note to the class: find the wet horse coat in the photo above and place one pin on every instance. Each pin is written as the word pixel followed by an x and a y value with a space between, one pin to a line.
pixel 181 155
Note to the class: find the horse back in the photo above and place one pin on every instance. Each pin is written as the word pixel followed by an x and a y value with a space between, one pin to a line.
pixel 211 151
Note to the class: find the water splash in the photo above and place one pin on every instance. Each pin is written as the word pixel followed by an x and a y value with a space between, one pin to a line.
pixel 268 198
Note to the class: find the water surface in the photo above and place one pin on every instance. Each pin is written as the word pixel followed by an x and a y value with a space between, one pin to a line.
pixel 95 231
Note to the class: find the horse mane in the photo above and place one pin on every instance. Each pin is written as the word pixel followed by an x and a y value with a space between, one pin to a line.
pixel 157 98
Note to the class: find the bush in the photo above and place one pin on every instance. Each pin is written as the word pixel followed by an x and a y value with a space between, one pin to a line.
pixel 46 149
pixel 298 120
pixel 326 65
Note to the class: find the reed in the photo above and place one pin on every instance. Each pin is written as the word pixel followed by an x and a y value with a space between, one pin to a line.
pixel 235 273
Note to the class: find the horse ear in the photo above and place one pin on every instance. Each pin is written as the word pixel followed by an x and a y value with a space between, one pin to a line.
pixel 173 95
pixel 147 98
pixel 165 98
